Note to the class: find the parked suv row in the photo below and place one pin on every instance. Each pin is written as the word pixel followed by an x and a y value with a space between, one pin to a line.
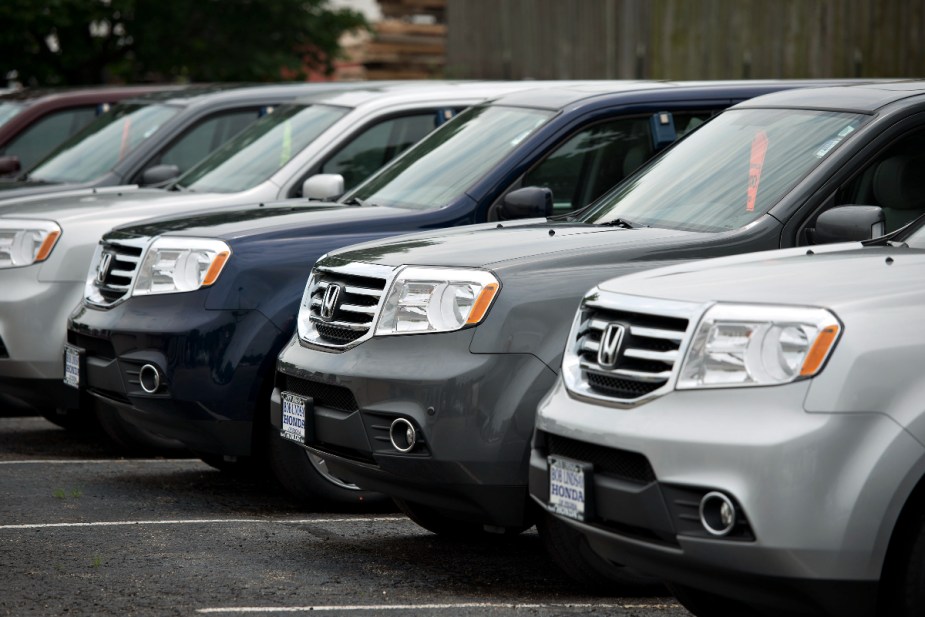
pixel 466 327
pixel 721 426
pixel 206 379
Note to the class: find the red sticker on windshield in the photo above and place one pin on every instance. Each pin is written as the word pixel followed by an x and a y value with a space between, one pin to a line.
pixel 759 149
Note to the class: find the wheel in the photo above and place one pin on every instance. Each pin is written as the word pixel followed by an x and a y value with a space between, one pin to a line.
pixel 570 551
pixel 131 439
pixel 436 522
pixel 306 477
pixel 705 604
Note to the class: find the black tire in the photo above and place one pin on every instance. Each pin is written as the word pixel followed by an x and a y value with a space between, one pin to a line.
pixel 570 551
pixel 911 589
pixel 445 526
pixel 307 480
pixel 132 440
pixel 706 604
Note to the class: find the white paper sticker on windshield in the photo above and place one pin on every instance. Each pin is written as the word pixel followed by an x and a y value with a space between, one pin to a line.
pixel 845 131
pixel 827 147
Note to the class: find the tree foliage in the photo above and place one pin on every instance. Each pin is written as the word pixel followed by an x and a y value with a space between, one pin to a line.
pixel 64 42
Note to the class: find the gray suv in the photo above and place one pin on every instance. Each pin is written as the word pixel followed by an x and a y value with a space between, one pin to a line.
pixel 769 458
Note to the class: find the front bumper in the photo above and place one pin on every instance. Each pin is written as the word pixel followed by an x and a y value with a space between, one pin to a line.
pixel 815 491
pixel 33 314
pixel 215 367
pixel 473 413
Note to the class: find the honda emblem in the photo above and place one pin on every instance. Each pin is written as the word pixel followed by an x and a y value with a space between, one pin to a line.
pixel 103 270
pixel 329 302
pixel 609 349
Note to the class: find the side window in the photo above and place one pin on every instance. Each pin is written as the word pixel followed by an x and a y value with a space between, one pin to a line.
pixel 599 157
pixel 43 135
pixel 377 145
pixel 204 137
pixel 895 181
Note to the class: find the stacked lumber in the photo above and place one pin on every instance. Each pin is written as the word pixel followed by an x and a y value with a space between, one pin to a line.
pixel 409 42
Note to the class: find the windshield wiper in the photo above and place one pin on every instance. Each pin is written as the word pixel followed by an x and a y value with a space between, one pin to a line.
pixel 619 223
pixel 354 201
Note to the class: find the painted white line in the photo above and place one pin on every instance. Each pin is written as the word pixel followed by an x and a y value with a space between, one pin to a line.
pixel 208 521
pixel 422 607
pixel 101 461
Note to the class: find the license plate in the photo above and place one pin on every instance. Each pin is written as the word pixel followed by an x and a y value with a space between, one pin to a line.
pixel 72 365
pixel 294 416
pixel 568 487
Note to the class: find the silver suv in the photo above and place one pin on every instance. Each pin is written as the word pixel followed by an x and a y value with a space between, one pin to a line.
pixel 749 429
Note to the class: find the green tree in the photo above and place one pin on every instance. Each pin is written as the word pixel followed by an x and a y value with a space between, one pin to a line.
pixel 64 42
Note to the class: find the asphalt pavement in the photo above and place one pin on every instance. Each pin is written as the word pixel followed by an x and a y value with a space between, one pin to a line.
pixel 87 531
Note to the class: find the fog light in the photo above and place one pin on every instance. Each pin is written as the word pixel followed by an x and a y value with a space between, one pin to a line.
pixel 402 435
pixel 149 378
pixel 717 514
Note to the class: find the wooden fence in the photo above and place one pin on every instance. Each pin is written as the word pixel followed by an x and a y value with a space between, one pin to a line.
pixel 684 39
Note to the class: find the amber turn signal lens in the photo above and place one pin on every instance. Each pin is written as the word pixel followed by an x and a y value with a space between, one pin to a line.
pixel 823 344
pixel 215 269
pixel 480 307
pixel 45 250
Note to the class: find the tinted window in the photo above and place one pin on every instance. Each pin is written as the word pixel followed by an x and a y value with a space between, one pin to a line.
pixel 447 162
pixel 598 158
pixel 261 149
pixel 41 137
pixel 728 173
pixel 894 181
pixel 103 143
pixel 378 145
pixel 205 137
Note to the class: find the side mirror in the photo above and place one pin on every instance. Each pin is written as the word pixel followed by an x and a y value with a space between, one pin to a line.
pixel 159 175
pixel 9 164
pixel 528 202
pixel 324 187
pixel 849 224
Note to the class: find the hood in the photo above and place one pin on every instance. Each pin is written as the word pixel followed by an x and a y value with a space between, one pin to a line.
pixel 493 245
pixel 833 276
pixel 297 216
pixel 94 203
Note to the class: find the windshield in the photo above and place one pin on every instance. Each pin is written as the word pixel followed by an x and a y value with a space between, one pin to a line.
pixel 261 150
pixel 9 109
pixel 447 162
pixel 728 173
pixel 104 142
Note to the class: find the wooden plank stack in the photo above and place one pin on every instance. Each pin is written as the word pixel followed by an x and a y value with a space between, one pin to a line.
pixel 409 42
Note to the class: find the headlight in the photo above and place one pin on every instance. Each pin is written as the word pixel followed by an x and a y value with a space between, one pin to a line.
pixel 748 345
pixel 173 265
pixel 24 242
pixel 425 299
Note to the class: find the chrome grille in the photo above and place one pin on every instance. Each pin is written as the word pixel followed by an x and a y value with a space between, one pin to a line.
pixel 115 283
pixel 361 288
pixel 643 342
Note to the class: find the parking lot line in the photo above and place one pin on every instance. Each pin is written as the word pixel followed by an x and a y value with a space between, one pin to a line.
pixel 423 607
pixel 103 461
pixel 208 521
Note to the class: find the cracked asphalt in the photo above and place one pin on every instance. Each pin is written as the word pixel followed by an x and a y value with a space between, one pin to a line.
pixel 84 531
